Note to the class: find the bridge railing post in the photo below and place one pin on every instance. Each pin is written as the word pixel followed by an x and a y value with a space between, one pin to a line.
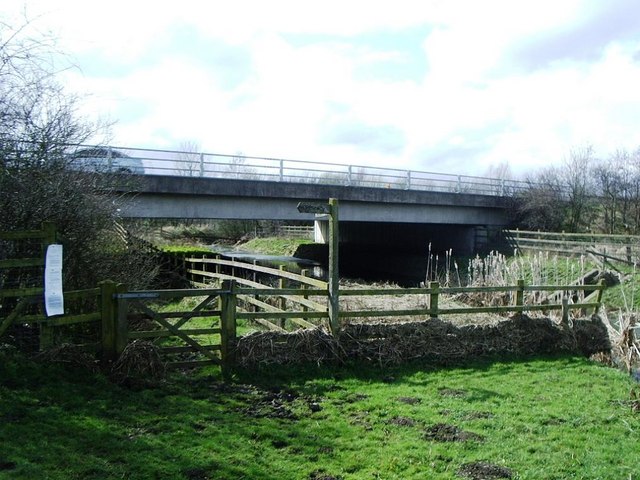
pixel 202 164
pixel 408 186
pixel 281 170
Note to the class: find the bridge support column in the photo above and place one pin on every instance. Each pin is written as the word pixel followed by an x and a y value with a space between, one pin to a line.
pixel 321 230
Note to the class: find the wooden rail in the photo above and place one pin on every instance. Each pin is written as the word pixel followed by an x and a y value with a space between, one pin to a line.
pixel 434 291
pixel 574 243
pixel 295 299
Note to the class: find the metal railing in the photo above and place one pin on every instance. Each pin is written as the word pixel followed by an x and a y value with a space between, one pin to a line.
pixel 242 167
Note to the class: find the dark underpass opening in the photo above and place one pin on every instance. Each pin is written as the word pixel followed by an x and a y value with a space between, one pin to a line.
pixel 400 252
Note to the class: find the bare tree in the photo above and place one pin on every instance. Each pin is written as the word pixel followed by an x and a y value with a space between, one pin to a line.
pixel 38 121
pixel 577 176
pixel 498 175
pixel 541 206
pixel 188 159
pixel 616 179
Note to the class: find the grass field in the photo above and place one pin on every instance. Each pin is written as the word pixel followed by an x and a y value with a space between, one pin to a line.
pixel 544 418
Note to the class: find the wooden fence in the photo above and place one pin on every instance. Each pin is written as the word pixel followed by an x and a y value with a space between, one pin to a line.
pixel 625 248
pixel 203 271
pixel 289 231
pixel 197 326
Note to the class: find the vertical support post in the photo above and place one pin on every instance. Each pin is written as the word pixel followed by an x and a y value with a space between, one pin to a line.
pixel 46 331
pixel 49 231
pixel 599 295
pixel 433 299
pixel 520 297
pixel 204 276
pixel 282 301
pixel 108 310
pixel 334 275
pixel 122 322
pixel 202 164
pixel 281 170
pixel 255 273
pixel 565 310
pixel 408 185
pixel 349 176
pixel 304 273
pixel 217 265
pixel 228 328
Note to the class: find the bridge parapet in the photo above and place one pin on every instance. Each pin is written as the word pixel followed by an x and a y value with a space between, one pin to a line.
pixel 241 167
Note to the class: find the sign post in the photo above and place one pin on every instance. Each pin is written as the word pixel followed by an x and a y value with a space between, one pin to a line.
pixel 53 296
pixel 330 209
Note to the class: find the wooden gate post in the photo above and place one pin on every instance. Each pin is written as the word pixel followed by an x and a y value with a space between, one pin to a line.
pixel 282 301
pixel 228 303
pixel 433 299
pixel 49 238
pixel 122 321
pixel 305 273
pixel 108 307
pixel 115 327
pixel 520 297
pixel 601 284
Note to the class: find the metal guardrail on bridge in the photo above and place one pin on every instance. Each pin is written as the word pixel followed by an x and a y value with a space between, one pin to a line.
pixel 215 165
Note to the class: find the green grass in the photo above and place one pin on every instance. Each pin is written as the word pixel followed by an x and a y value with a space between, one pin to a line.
pixel 551 418
pixel 191 249
pixel 274 245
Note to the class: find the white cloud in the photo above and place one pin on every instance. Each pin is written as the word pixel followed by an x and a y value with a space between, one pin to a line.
pixel 473 84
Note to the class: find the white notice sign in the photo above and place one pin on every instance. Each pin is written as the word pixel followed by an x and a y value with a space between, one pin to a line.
pixel 53 298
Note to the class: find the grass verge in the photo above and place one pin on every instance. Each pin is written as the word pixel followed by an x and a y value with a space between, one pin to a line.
pixel 552 418
pixel 274 245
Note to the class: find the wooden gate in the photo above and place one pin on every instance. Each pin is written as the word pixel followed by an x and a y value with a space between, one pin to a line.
pixel 199 331
pixel 22 272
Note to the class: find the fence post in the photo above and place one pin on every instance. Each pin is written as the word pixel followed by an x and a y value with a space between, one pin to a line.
pixel 204 270
pixel 228 303
pixel 108 312
pixel 49 230
pixel 565 310
pixel 520 297
pixel 46 332
pixel 433 299
pixel 282 301
pixel 304 273
pixel 599 295
pixel 122 322
pixel 255 273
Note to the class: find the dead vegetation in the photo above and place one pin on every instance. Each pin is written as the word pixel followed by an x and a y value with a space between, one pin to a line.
pixel 139 362
pixel 432 340
pixel 625 347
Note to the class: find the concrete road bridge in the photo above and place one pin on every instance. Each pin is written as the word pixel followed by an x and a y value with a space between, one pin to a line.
pixel 378 206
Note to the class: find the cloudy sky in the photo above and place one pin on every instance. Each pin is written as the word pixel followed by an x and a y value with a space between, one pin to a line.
pixel 452 86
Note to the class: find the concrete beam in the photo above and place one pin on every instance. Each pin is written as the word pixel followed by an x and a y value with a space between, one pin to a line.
pixel 156 196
